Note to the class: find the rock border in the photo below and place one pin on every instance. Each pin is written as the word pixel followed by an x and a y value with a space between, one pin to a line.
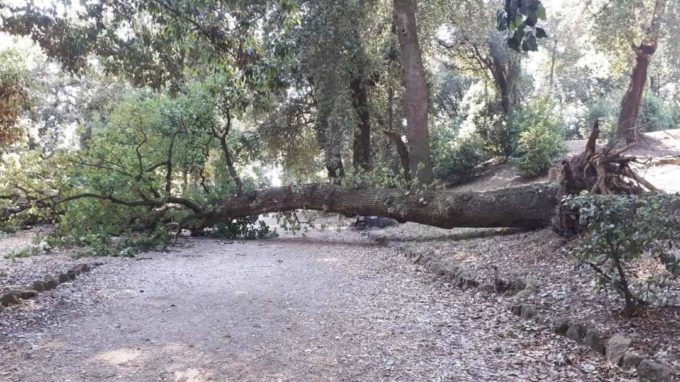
pixel 617 348
pixel 15 296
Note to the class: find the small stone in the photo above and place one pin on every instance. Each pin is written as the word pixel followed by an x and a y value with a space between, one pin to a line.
pixel 518 284
pixel 63 278
pixel 51 283
pixel 86 268
pixel 631 360
pixel 561 325
pixel 432 266
pixel 488 288
pixel 39 286
pixel 453 275
pixel 528 311
pixel 653 371
pixel 576 332
pixel 77 269
pixel 467 283
pixel 594 340
pixel 616 348
pixel 26 294
pixel 418 259
pixel 9 299
pixel 516 309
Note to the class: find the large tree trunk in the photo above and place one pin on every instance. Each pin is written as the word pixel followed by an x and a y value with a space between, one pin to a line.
pixel 527 207
pixel 362 133
pixel 628 128
pixel 415 95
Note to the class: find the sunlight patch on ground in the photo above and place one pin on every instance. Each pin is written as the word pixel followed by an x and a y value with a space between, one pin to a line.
pixel 194 375
pixel 327 260
pixel 119 357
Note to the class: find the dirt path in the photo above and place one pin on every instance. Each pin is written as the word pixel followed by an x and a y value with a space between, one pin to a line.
pixel 281 310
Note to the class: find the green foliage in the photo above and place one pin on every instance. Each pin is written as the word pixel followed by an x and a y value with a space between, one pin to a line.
pixel 453 157
pixel 622 229
pixel 537 148
pixel 520 19
pixel 247 228
pixel 656 115
pixel 536 138
pixel 605 110
pixel 14 99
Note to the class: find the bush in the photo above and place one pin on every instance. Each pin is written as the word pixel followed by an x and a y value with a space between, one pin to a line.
pixel 621 229
pixel 655 115
pixel 537 148
pixel 457 158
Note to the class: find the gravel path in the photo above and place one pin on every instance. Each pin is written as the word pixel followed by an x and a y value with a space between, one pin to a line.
pixel 289 309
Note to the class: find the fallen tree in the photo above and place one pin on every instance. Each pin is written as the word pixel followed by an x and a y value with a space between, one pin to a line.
pixel 598 170
pixel 526 207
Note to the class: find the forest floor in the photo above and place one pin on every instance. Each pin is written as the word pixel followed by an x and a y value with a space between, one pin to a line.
pixel 326 306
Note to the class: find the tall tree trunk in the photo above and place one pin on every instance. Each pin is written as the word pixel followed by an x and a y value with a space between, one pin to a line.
pixel 628 128
pixel 362 132
pixel 505 69
pixel 415 95
pixel 530 206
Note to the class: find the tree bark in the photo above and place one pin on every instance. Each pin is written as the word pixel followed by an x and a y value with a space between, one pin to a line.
pixel 362 132
pixel 402 151
pixel 526 207
pixel 628 128
pixel 415 95
pixel 505 70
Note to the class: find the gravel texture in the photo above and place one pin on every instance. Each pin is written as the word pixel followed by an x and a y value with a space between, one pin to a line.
pixel 559 287
pixel 328 307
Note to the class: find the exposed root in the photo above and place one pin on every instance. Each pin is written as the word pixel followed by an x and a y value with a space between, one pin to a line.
pixel 602 171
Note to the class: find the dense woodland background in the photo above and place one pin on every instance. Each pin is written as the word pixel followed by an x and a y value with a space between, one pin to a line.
pixel 135 117
pixel 127 123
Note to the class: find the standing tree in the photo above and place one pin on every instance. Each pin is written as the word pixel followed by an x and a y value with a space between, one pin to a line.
pixel 617 28
pixel 415 96
pixel 630 106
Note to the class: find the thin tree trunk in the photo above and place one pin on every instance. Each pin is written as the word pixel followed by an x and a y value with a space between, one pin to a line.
pixel 331 142
pixel 362 132
pixel 402 151
pixel 628 128
pixel 415 95
pixel 229 160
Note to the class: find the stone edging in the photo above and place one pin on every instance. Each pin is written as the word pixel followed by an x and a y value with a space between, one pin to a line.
pixel 617 348
pixel 14 296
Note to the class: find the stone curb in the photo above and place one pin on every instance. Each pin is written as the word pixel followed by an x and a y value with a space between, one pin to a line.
pixel 15 296
pixel 617 348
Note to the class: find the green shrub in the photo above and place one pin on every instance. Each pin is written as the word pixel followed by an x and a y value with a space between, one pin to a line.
pixel 537 148
pixel 655 115
pixel 621 229
pixel 457 157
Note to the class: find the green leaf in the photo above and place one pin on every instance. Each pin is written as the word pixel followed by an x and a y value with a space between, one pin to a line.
pixel 517 22
pixel 529 43
pixel 531 19
pixel 514 43
pixel 501 20
pixel 540 33
pixel 540 12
